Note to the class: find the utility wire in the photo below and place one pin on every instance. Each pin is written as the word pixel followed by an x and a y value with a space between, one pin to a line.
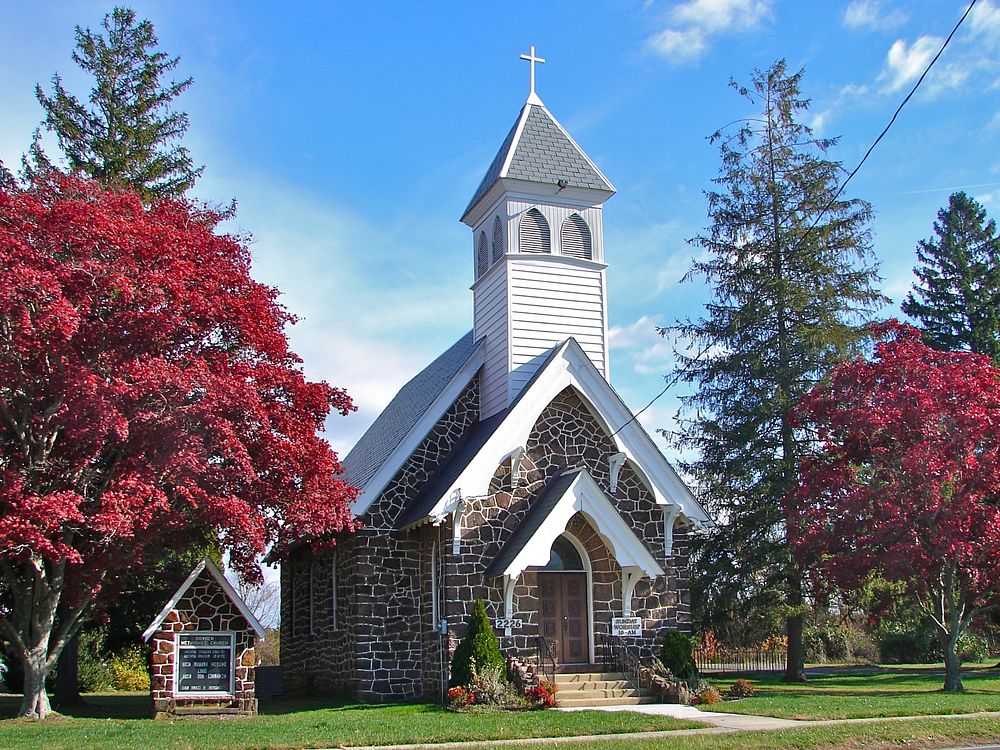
pixel 673 381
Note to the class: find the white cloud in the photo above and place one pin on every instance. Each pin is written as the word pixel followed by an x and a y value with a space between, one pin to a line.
pixel 679 47
pixel 691 25
pixel 870 14
pixel 720 16
pixel 984 20
pixel 635 334
pixel 905 62
pixel 818 120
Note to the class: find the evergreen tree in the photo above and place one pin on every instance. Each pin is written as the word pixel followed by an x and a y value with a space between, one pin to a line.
pixel 479 645
pixel 125 134
pixel 792 281
pixel 956 298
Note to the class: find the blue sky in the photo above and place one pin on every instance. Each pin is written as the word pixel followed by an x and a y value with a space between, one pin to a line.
pixel 353 134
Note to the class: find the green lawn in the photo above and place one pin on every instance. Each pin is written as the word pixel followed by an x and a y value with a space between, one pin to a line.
pixel 115 722
pixel 912 735
pixel 908 690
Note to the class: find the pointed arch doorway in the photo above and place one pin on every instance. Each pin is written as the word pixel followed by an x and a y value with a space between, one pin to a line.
pixel 564 601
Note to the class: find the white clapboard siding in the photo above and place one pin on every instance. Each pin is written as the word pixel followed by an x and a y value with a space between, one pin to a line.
pixel 490 302
pixel 550 302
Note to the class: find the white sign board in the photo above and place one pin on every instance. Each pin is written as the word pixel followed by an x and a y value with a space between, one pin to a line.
pixel 626 627
pixel 506 623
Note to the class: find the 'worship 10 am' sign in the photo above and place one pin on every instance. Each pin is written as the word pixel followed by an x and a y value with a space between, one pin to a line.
pixel 204 664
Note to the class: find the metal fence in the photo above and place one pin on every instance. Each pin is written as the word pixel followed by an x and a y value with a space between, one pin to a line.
pixel 738 660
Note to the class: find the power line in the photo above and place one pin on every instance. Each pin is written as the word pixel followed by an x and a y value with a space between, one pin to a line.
pixel 673 381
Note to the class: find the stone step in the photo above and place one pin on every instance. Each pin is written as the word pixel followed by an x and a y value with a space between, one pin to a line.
pixel 565 677
pixel 579 695
pixel 595 685
pixel 584 702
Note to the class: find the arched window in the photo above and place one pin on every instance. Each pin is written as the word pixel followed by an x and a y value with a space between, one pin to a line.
pixel 498 248
pixel 533 233
pixel 482 256
pixel 564 556
pixel 575 238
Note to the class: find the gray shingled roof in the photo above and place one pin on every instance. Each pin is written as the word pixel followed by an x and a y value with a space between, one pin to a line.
pixel 537 513
pixel 542 153
pixel 403 412
pixel 462 456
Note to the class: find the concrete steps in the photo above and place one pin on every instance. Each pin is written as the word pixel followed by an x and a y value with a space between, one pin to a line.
pixel 582 689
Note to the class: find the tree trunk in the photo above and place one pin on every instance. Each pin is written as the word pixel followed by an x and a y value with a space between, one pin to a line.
pixel 952 665
pixel 35 702
pixel 67 692
pixel 795 658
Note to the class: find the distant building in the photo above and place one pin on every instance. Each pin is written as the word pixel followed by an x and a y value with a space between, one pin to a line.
pixel 508 469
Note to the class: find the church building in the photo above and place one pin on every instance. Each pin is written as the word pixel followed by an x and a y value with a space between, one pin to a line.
pixel 509 469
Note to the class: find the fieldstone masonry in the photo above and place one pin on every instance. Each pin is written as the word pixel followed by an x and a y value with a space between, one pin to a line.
pixel 385 644
pixel 204 607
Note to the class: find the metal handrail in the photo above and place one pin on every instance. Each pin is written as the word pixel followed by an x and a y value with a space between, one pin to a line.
pixel 544 653
pixel 624 657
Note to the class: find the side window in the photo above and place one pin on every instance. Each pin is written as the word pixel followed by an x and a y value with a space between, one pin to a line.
pixel 575 238
pixel 498 248
pixel 482 256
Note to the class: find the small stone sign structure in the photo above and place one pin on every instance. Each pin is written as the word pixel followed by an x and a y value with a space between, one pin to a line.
pixel 203 656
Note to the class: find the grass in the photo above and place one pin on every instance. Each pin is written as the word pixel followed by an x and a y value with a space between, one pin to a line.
pixel 118 721
pixel 917 734
pixel 906 690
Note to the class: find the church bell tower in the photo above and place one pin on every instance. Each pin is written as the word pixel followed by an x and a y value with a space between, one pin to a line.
pixel 538 244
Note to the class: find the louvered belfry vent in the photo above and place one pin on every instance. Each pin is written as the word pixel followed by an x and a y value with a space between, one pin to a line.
pixel 498 249
pixel 575 238
pixel 533 234
pixel 482 256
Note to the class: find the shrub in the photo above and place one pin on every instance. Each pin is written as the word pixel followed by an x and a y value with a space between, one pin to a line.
pixel 489 687
pixel 708 697
pixel 742 689
pixel 838 642
pixel 907 647
pixel 129 670
pixel 93 673
pixel 458 698
pixel 973 647
pixel 480 645
pixel 540 696
pixel 675 653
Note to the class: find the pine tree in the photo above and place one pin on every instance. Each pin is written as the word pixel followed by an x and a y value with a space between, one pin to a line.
pixel 792 280
pixel 125 134
pixel 956 298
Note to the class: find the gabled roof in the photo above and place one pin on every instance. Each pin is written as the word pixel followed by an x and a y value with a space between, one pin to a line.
pixel 213 570
pixel 459 460
pixel 573 491
pixel 538 149
pixel 414 412
pixel 566 365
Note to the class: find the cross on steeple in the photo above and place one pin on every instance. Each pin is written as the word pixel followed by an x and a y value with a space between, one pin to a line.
pixel 532 59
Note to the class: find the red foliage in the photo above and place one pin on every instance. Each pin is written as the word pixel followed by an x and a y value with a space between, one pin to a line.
pixel 907 476
pixel 146 386
pixel 542 695
pixel 458 698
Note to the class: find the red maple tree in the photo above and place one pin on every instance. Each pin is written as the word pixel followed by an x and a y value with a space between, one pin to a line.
pixel 906 479
pixel 146 389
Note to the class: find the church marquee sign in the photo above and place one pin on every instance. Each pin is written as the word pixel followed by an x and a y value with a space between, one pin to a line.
pixel 205 664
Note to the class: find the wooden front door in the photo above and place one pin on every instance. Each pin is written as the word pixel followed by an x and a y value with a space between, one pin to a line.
pixel 562 600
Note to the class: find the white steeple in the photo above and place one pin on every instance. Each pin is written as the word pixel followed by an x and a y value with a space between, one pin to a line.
pixel 538 244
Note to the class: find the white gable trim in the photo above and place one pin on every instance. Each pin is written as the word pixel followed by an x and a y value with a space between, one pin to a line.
pixel 584 496
pixel 570 366
pixel 374 486
pixel 206 564
pixel 525 111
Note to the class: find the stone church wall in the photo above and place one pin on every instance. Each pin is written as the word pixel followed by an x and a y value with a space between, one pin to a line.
pixel 566 436
pixel 389 647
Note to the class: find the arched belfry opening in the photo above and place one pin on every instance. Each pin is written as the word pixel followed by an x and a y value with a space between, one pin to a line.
pixel 533 233
pixel 498 248
pixel 575 240
pixel 482 256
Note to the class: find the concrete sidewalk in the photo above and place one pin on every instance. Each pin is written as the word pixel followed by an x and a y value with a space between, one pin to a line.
pixel 721 723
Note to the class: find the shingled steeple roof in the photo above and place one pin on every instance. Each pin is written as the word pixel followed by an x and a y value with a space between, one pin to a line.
pixel 538 149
